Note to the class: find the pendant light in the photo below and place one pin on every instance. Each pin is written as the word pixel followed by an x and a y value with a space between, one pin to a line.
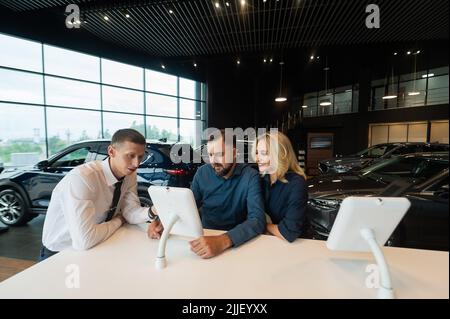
pixel 391 93
pixel 414 92
pixel 326 101
pixel 280 97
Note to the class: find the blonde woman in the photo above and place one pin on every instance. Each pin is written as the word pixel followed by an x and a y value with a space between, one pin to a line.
pixel 284 185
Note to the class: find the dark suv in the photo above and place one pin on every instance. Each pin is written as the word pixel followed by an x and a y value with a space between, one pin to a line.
pixel 25 192
pixel 420 177
pixel 377 153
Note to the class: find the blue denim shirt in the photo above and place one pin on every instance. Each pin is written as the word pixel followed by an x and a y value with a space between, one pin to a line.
pixel 234 204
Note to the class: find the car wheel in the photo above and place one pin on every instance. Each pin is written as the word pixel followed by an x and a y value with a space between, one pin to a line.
pixel 13 208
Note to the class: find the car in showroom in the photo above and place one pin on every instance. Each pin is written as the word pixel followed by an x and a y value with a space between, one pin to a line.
pixel 376 153
pixel 422 178
pixel 25 191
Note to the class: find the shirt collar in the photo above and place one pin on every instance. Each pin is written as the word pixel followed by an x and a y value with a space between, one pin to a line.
pixel 109 176
pixel 238 169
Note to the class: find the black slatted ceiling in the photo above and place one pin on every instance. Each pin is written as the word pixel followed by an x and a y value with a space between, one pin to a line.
pixel 198 28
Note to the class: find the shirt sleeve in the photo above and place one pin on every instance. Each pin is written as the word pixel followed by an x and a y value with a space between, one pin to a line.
pixel 131 207
pixel 291 226
pixel 195 188
pixel 79 211
pixel 256 219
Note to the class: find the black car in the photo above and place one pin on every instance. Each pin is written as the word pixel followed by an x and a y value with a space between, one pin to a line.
pixel 421 177
pixel 25 192
pixel 376 154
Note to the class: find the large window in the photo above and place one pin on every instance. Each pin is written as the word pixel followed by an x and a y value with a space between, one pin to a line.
pixel 71 64
pixel 20 54
pixel 72 93
pixel 22 144
pixel 17 86
pixel 51 97
pixel 63 127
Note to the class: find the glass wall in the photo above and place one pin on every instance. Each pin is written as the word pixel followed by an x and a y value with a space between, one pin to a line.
pixel 52 97
pixel 336 101
pixel 425 87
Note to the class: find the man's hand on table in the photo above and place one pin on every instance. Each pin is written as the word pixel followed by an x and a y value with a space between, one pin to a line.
pixel 210 246
pixel 155 229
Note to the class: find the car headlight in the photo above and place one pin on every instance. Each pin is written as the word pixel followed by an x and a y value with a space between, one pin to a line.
pixel 325 203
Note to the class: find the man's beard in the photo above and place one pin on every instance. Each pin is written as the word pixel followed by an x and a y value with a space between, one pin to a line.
pixel 221 170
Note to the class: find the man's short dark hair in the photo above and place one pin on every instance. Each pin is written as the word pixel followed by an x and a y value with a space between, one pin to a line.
pixel 128 135
pixel 213 137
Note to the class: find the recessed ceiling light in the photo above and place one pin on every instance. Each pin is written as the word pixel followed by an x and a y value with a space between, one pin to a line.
pixel 195 65
pixel 163 66
pixel 227 4
pixel 127 15
pixel 106 18
pixel 217 5
pixel 238 61
pixel 418 51
pixel 413 93
pixel 311 57
pixel 170 11
pixel 395 53
pixel 265 60
pixel 409 52
pixel 304 106
pixel 270 60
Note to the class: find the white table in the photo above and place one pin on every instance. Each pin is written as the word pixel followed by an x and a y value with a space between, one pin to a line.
pixel 266 267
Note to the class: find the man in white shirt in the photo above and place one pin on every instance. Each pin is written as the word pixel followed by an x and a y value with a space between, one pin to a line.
pixel 94 199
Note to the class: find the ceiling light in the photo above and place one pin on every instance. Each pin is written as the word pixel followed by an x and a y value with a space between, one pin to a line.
pixel 265 60
pixel 195 65
pixel 418 51
pixel 227 4
pixel 170 11
pixel 429 75
pixel 238 61
pixel 304 106
pixel 389 97
pixel 270 60
pixel 242 2
pixel 395 53
pixel 413 93
pixel 280 97
pixel 325 102
pixel 106 18
pixel 163 66
pixel 311 57
pixel 127 15
pixel 408 53
pixel 217 5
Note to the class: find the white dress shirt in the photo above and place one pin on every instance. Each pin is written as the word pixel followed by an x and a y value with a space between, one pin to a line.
pixel 80 203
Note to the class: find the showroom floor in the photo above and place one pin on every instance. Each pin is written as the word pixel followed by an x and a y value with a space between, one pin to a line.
pixel 22 242
pixel 19 247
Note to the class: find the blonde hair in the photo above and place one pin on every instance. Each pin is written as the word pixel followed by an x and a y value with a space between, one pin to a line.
pixel 278 143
